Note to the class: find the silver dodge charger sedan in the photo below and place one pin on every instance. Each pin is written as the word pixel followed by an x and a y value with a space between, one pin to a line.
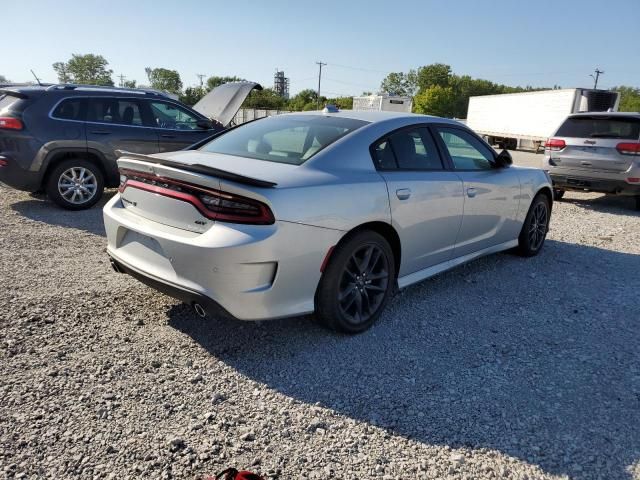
pixel 325 212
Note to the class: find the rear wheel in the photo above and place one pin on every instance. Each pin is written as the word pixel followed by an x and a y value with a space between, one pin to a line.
pixel 535 227
pixel 75 184
pixel 356 284
pixel 558 194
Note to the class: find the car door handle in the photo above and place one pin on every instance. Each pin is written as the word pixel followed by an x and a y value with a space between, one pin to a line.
pixel 100 132
pixel 166 135
pixel 471 192
pixel 403 193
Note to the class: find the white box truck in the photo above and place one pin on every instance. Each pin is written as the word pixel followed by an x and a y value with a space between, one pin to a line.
pixel 383 103
pixel 526 120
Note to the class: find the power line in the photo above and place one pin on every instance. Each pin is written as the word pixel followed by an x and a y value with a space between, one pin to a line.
pixel 359 68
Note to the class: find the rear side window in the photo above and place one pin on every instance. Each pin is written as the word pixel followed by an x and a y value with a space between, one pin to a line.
pixel 600 127
pixel 113 110
pixel 70 109
pixel 6 101
pixel 412 149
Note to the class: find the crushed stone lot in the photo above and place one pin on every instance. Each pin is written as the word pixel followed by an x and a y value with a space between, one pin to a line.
pixel 505 368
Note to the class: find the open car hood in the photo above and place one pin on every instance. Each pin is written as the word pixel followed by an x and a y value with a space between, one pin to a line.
pixel 223 102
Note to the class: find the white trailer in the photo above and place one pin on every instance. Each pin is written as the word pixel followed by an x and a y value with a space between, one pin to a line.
pixel 526 120
pixel 383 103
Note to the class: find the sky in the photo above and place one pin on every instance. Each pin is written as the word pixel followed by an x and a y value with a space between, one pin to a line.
pixel 534 42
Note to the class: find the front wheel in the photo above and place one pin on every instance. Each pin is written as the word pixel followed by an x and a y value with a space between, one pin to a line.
pixel 558 194
pixel 357 283
pixel 535 227
pixel 75 184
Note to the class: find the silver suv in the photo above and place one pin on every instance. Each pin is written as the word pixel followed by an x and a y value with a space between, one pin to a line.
pixel 597 152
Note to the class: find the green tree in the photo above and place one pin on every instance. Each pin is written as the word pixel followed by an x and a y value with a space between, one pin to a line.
pixel 435 100
pixel 304 100
pixel 192 95
pixel 3 79
pixel 399 83
pixel 435 74
pixel 267 99
pixel 213 82
pixel 629 98
pixel 87 69
pixel 164 79
pixel 129 84
pixel 343 103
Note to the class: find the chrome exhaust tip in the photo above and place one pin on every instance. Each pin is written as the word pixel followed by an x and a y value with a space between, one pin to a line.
pixel 199 310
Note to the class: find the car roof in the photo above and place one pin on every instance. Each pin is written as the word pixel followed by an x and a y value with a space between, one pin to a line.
pixel 376 116
pixel 606 114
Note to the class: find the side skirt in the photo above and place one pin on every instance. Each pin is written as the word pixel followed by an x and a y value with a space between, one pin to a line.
pixel 415 277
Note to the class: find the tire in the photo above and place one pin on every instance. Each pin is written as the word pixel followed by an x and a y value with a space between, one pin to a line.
pixel 535 227
pixel 75 195
pixel 362 271
pixel 557 194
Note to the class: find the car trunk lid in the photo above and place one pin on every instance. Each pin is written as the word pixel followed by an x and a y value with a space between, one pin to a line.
pixel 223 102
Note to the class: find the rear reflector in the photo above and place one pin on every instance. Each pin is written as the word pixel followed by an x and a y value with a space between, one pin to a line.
pixel 633 180
pixel 213 204
pixel 3 162
pixel 629 148
pixel 555 144
pixel 10 123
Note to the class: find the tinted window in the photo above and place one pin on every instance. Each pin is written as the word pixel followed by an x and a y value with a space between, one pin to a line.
pixel 466 151
pixel 415 150
pixel 383 156
pixel 599 127
pixel 172 117
pixel 113 110
pixel 283 139
pixel 70 109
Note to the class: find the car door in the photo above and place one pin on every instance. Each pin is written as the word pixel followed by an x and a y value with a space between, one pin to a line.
pixel 176 126
pixel 118 124
pixel 491 194
pixel 426 199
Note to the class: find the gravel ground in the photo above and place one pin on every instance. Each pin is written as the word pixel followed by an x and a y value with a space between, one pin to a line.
pixel 504 368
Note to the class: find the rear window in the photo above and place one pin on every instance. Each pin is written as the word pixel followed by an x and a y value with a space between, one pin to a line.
pixel 600 127
pixel 6 101
pixel 289 139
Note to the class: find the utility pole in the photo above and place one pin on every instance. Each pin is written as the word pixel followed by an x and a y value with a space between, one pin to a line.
pixel 200 76
pixel 598 72
pixel 320 64
pixel 121 77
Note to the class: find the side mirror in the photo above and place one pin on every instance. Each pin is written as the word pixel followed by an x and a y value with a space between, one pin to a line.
pixel 504 160
pixel 205 124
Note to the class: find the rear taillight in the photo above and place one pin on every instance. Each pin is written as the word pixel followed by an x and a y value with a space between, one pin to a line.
pixel 3 161
pixel 10 123
pixel 628 148
pixel 213 204
pixel 555 144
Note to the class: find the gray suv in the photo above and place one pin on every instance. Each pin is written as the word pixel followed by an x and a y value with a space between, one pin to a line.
pixel 64 139
pixel 598 152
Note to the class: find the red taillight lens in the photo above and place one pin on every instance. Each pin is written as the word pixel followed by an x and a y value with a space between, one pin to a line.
pixel 213 204
pixel 555 144
pixel 10 123
pixel 629 148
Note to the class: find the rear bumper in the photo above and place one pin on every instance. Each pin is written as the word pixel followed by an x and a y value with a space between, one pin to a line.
pixel 250 272
pixel 573 182
pixel 13 175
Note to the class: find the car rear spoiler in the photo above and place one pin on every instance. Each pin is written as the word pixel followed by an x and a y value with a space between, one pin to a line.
pixel 13 93
pixel 198 168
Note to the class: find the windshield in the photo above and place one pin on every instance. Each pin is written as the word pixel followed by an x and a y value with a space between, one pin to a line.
pixel 601 127
pixel 289 139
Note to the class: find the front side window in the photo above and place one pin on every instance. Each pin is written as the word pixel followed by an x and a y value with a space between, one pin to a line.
pixel 466 151
pixel 114 110
pixel 289 139
pixel 70 109
pixel 172 117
